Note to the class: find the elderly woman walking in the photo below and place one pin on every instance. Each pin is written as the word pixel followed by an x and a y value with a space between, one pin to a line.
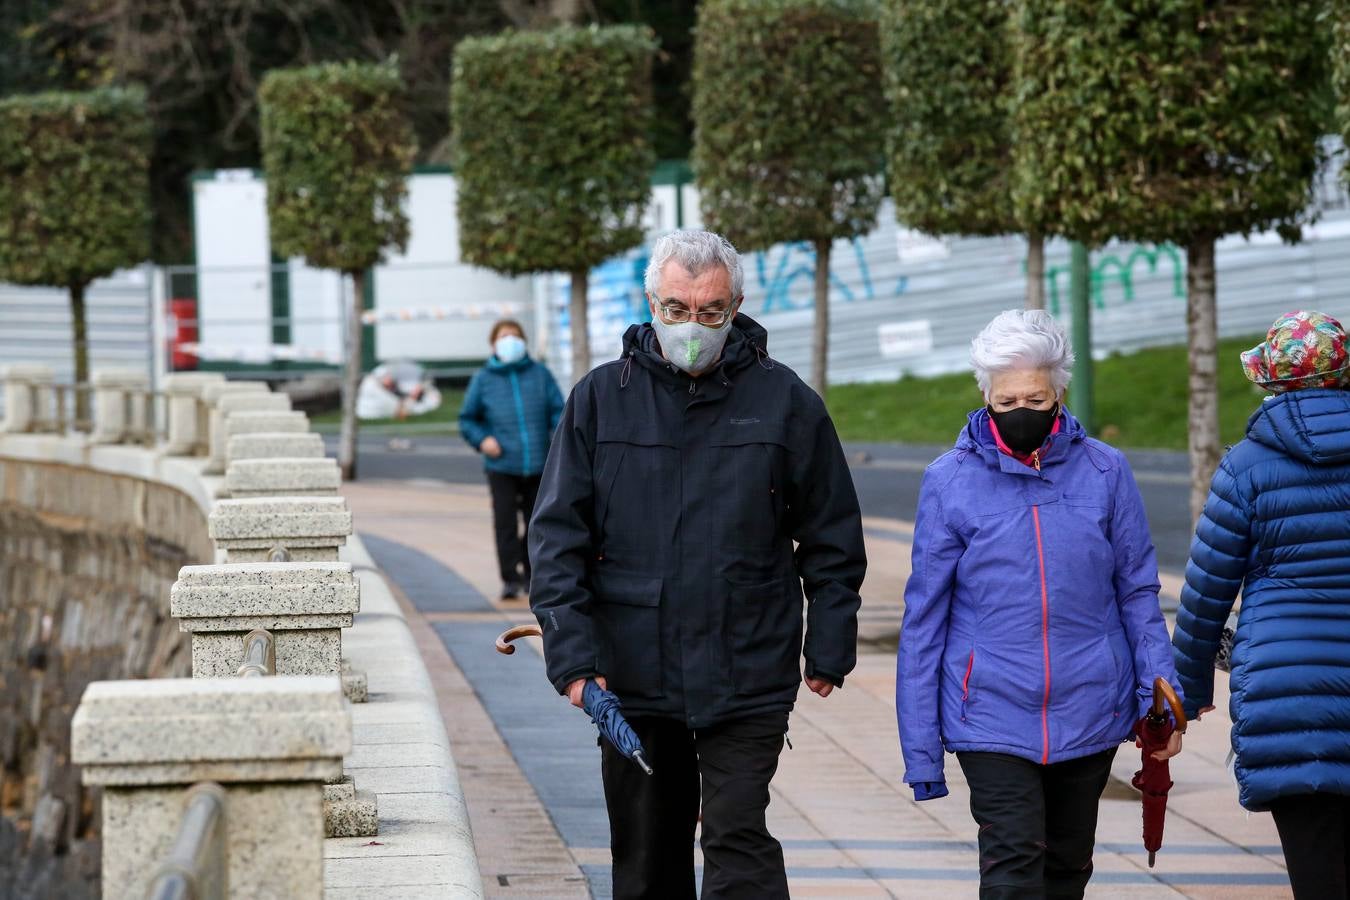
pixel 1277 526
pixel 1032 633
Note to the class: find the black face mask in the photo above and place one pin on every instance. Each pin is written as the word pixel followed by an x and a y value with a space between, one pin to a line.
pixel 1024 429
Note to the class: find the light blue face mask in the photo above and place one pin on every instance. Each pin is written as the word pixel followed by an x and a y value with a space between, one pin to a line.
pixel 509 348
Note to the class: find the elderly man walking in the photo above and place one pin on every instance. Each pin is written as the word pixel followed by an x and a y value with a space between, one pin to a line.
pixel 662 544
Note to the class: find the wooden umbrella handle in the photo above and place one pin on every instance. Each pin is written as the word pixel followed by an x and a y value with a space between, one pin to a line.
pixel 1164 694
pixel 506 637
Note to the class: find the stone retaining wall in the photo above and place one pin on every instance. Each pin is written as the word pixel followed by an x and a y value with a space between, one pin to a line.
pixel 86 562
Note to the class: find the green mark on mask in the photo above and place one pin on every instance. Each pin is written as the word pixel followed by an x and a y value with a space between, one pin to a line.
pixel 691 351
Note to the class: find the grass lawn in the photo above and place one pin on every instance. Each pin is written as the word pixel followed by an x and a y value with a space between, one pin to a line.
pixel 440 420
pixel 1141 402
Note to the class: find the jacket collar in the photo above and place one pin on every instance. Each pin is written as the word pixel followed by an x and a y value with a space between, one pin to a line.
pixel 746 345
pixel 978 437
pixel 496 365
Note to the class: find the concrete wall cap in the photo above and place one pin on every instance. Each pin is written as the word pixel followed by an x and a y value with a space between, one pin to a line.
pixel 276 573
pixel 274 421
pixel 176 720
pixel 265 517
pixel 120 377
pixel 253 402
pixel 282 474
pixel 27 372
pixel 264 589
pixel 274 445
pixel 214 390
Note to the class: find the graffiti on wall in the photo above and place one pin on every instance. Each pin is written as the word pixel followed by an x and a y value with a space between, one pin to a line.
pixel 1108 270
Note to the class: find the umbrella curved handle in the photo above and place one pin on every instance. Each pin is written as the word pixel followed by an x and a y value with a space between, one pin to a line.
pixel 1163 694
pixel 519 631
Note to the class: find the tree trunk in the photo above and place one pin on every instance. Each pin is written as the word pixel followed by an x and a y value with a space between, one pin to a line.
pixel 1035 271
pixel 1202 337
pixel 351 379
pixel 820 342
pixel 80 347
pixel 581 340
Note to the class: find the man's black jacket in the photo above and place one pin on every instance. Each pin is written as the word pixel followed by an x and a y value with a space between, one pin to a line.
pixel 662 540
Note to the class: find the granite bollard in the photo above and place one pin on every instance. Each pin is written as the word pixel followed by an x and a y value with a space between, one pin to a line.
pixel 271 445
pixel 283 478
pixel 119 404
pixel 228 405
pixel 308 529
pixel 305 605
pixel 270 743
pixel 28 397
pixel 215 423
pixel 183 397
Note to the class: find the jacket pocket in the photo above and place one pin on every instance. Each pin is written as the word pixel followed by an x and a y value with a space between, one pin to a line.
pixel 765 636
pixel 628 626
pixel 965 684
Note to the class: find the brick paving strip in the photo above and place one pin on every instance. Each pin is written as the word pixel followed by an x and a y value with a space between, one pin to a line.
pixel 530 769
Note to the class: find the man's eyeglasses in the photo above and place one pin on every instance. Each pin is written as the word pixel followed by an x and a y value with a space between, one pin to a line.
pixel 678 315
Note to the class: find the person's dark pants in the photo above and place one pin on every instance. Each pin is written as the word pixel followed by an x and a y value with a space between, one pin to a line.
pixel 652 817
pixel 1315 834
pixel 1038 824
pixel 512 505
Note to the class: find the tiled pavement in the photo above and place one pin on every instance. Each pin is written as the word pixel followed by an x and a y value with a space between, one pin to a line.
pixel 529 765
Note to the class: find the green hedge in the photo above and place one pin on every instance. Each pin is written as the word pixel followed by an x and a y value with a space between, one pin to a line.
pixel 337 150
pixel 551 146
pixel 788 108
pixel 74 186
pixel 948 86
pixel 1158 120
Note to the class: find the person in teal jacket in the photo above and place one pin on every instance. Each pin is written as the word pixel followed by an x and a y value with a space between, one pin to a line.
pixel 509 414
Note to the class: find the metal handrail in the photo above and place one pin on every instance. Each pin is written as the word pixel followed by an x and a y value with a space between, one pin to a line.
pixel 259 655
pixel 195 868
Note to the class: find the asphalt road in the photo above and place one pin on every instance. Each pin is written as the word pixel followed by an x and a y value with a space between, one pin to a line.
pixel 886 476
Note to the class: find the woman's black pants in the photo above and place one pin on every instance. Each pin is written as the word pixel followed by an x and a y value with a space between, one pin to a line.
pixel 512 505
pixel 1038 824
pixel 1315 834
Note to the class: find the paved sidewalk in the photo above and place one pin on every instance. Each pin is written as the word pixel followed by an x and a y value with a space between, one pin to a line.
pixel 530 772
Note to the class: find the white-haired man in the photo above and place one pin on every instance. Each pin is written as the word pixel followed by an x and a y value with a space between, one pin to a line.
pixel 679 480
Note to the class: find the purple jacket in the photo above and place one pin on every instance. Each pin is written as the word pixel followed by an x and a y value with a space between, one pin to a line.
pixel 1032 624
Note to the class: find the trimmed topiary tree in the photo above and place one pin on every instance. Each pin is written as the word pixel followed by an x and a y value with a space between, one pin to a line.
pixel 1159 120
pixel 1339 12
pixel 338 151
pixel 948 76
pixel 552 155
pixel 74 195
pixel 788 136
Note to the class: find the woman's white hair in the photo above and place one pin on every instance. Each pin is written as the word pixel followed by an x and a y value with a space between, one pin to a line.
pixel 1022 339
pixel 696 251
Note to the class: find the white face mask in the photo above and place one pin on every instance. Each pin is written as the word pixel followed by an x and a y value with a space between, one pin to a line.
pixel 509 348
pixel 689 345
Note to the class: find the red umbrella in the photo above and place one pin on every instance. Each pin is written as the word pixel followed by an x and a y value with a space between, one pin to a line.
pixel 1155 779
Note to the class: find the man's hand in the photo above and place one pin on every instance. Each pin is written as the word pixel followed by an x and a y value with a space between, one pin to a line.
pixel 490 448
pixel 819 685
pixel 574 690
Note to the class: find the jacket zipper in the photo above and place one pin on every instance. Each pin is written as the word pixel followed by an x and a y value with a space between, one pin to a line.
pixel 520 419
pixel 1045 638
pixel 965 685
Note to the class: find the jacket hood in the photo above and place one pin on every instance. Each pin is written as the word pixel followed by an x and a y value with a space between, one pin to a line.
pixel 1311 425
pixel 747 342
pixel 978 437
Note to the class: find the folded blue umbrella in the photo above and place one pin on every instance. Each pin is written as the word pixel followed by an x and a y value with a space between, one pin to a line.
pixel 604 709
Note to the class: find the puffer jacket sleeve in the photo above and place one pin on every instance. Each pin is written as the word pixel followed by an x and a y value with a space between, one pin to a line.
pixel 830 558
pixel 1136 584
pixel 561 539
pixel 473 414
pixel 1214 575
pixel 923 635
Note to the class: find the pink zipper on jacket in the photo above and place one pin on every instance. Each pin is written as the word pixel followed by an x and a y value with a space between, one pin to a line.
pixel 1045 634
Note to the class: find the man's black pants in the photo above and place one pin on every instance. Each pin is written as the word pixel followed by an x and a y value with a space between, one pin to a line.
pixel 1038 824
pixel 1315 834
pixel 652 817
pixel 513 500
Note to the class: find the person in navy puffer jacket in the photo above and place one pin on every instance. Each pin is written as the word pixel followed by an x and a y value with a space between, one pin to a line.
pixel 510 412
pixel 1032 633
pixel 1277 526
